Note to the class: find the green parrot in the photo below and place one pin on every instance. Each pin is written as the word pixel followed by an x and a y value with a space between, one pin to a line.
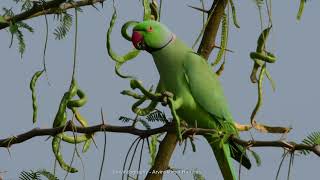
pixel 198 95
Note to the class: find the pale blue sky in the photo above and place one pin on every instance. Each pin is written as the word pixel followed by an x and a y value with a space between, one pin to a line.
pixel 295 102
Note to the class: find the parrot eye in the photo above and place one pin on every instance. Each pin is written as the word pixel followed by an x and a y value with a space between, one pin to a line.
pixel 150 29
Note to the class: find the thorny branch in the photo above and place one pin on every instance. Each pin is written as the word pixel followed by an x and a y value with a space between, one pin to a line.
pixel 51 7
pixel 169 128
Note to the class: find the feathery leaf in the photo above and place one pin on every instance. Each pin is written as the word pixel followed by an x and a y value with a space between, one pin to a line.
pixel 311 140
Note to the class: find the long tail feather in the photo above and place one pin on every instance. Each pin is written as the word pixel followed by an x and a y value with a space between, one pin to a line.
pixel 224 159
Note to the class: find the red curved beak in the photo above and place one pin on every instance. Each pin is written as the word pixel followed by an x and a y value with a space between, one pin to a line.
pixel 136 39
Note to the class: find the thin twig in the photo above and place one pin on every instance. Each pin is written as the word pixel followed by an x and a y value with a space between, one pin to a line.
pixel 8 142
pixel 104 147
pixel 50 7
pixel 140 159
pixel 126 158
pixel 132 157
pixel 280 165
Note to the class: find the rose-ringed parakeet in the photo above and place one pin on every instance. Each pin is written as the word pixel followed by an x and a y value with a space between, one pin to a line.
pixel 198 95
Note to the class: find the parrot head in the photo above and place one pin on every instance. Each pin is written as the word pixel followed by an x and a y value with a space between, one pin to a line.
pixel 151 36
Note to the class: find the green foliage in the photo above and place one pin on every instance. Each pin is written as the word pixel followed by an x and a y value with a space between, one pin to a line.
pixel 125 119
pixel 22 45
pixel 8 12
pixel 223 133
pixel 47 174
pixel 25 26
pixel 157 116
pixel 29 175
pixel 26 4
pixel 2 20
pixel 311 140
pixel 65 23
pixel 15 30
pixel 301 8
pixel 143 122
pixel 197 175
pixel 36 175
pixel 256 157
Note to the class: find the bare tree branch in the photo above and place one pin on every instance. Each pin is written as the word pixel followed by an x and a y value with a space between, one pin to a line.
pixel 51 7
pixel 70 127
pixel 209 36
pixel 169 128
pixel 292 146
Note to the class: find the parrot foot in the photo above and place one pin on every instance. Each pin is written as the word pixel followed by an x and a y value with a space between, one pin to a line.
pixel 135 84
pixel 165 96
pixel 174 105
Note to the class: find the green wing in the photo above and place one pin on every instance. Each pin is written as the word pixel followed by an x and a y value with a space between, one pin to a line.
pixel 206 88
pixel 208 93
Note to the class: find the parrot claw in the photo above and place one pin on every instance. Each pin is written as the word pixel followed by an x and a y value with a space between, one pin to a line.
pixel 168 94
pixel 165 95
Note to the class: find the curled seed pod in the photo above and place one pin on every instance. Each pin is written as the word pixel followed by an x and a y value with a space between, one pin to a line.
pixel 79 102
pixel 73 88
pixel 56 150
pixel 234 14
pixel 270 58
pixel 260 94
pixel 143 111
pixel 81 138
pixel 262 40
pixel 254 71
pixel 137 84
pixel 261 56
pixel 135 106
pixel 154 10
pixel 273 84
pixel 33 82
pixel 84 123
pixel 61 116
pixel 87 137
pixel 301 8
pixel 125 27
pixel 72 139
pixel 147 10
pixel 223 41
pixel 132 94
pixel 80 118
pixel 118 59
pixel 87 144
